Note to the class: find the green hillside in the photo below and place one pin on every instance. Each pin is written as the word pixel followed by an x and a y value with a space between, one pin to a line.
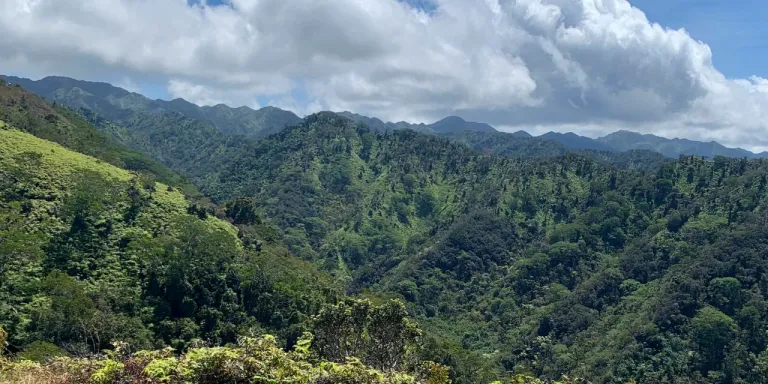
pixel 112 275
pixel 30 113
pixel 512 265
pixel 117 104
pixel 526 265
pixel 93 253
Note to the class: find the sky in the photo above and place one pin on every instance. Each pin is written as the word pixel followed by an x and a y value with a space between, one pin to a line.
pixel 686 68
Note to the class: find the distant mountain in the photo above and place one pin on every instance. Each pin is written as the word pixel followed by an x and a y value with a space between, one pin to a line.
pixel 522 134
pixel 451 124
pixel 114 103
pixel 118 104
pixel 627 140
pixel 517 145
pixel 455 124
pixel 379 125
pixel 574 141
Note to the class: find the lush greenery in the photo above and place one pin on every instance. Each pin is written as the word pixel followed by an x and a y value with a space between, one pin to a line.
pixel 251 360
pixel 512 265
pixel 517 145
pixel 30 113
pixel 92 253
pixel 521 264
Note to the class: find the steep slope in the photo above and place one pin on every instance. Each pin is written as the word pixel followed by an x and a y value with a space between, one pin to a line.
pixel 526 261
pixel 92 253
pixel 116 103
pixel 626 140
pixel 30 113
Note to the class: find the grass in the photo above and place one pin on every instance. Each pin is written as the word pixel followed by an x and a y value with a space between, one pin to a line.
pixel 55 159
pixel 55 170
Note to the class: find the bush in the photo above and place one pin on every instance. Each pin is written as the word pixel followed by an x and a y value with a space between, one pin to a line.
pixel 41 351
pixel 257 360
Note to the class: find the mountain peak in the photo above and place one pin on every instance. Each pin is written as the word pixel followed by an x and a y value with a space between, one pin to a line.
pixel 454 124
pixel 452 119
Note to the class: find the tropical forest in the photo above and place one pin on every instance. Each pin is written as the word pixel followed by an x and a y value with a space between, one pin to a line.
pixel 148 243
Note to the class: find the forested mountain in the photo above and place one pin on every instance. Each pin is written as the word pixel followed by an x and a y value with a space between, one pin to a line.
pixel 116 103
pixel 574 141
pixel 519 144
pixel 448 125
pixel 95 258
pixel 32 114
pixel 542 265
pixel 626 140
pixel 538 260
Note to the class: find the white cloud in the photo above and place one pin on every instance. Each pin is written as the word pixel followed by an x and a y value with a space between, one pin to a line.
pixel 591 66
pixel 129 85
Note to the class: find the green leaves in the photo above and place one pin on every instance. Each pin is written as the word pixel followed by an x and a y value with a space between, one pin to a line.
pixel 381 335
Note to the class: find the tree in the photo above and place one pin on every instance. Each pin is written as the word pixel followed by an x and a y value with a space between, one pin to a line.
pixel 713 331
pixel 242 211
pixel 382 336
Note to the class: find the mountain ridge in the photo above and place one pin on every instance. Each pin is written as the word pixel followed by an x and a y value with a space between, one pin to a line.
pixel 110 99
pixel 259 123
pixel 627 140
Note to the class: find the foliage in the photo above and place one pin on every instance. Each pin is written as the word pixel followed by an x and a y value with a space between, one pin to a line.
pixel 251 360
pixel 382 336
pixel 92 253
pixel 30 113
pixel 512 265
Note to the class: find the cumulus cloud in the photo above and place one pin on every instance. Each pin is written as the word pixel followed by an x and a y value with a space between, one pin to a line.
pixel 591 66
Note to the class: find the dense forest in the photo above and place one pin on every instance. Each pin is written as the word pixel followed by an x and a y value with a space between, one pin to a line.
pixel 472 258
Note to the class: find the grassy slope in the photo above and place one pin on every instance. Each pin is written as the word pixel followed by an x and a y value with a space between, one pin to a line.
pixel 30 113
pixel 57 168
pixel 40 182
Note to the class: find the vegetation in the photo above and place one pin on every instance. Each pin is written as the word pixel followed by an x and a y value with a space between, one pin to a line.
pixel 251 360
pixel 118 104
pixel 516 268
pixel 30 113
pixel 94 256
pixel 516 145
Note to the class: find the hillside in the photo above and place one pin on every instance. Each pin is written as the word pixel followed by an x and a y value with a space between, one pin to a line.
pixel 30 113
pixel 544 266
pixel 502 254
pixel 97 259
pixel 116 103
pixel 519 145
pixel 101 247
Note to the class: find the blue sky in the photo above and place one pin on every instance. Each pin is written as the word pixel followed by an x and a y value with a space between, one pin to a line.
pixel 736 30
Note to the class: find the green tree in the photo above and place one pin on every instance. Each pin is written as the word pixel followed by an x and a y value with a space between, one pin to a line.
pixel 713 332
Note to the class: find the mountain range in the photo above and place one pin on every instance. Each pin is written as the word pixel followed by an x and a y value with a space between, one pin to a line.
pixel 113 102
pixel 513 254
